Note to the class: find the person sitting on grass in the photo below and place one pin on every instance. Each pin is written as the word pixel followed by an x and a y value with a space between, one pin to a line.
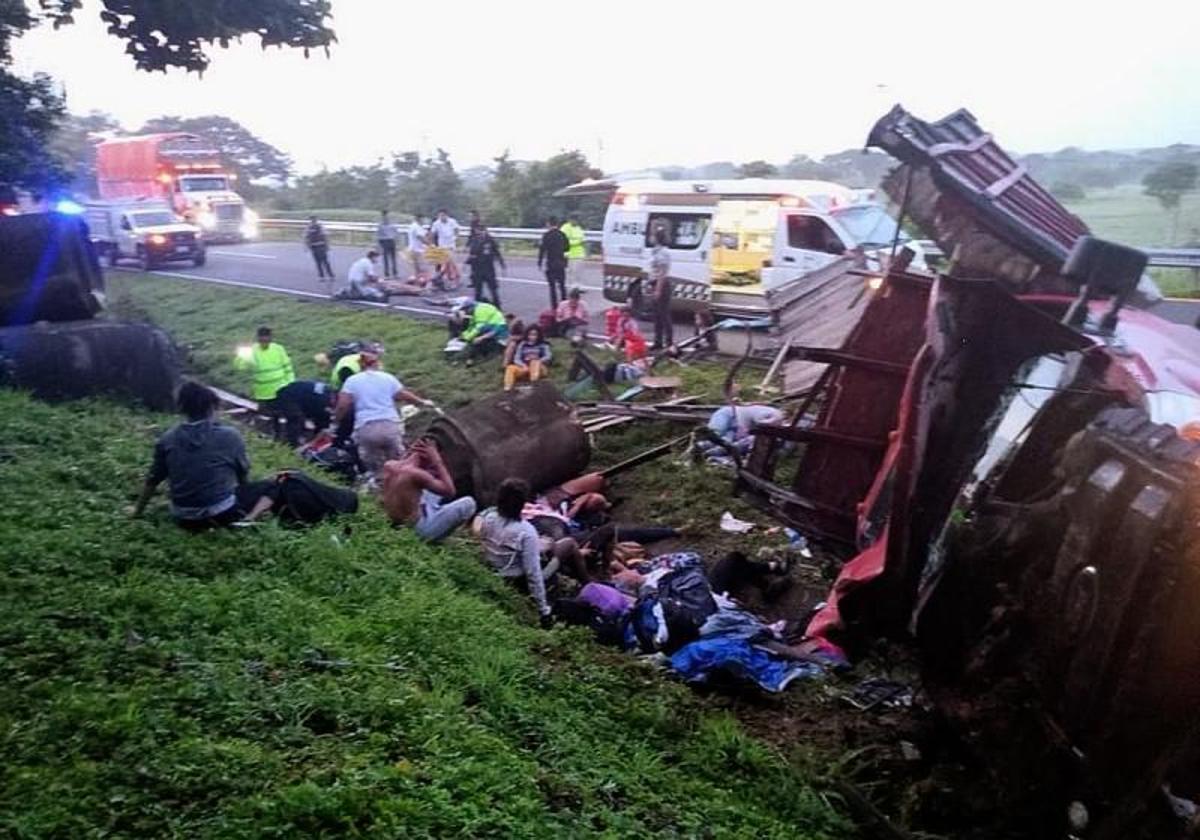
pixel 513 548
pixel 528 359
pixel 571 316
pixel 416 488
pixel 205 465
pixel 485 330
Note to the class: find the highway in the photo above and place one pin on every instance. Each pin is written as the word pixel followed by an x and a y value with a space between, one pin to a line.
pixel 287 266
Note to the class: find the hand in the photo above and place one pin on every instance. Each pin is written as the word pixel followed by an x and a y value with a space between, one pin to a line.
pixel 546 621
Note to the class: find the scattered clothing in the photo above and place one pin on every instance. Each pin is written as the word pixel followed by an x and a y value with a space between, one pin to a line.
pixel 699 661
pixel 733 525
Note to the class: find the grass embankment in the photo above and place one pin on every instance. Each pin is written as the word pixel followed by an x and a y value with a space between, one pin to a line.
pixel 345 679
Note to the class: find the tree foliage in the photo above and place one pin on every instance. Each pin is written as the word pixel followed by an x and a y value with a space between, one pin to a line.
pixel 74 145
pixel 29 111
pixel 159 34
pixel 758 169
pixel 1168 182
pixel 522 195
pixel 251 157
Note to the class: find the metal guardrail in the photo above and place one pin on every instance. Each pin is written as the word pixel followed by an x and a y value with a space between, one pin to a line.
pixel 1161 257
pixel 368 228
pixel 1174 257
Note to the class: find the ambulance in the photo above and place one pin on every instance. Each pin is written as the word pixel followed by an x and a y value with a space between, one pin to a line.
pixel 747 235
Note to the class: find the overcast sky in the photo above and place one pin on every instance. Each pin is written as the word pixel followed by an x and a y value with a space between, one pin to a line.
pixel 637 84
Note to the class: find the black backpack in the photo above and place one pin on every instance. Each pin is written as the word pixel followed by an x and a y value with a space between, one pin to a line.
pixel 302 500
pixel 345 347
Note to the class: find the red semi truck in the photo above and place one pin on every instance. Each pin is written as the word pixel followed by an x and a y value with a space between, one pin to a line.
pixel 182 169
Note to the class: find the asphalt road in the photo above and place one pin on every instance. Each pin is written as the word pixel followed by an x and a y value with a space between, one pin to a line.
pixel 523 290
pixel 288 266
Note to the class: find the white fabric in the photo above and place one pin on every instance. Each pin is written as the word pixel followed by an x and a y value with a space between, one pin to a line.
pixel 445 234
pixel 362 270
pixel 374 393
pixel 415 232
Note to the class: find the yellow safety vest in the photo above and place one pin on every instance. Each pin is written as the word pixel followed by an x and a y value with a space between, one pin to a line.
pixel 272 370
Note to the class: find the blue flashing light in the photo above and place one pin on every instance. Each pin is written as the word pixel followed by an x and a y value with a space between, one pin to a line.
pixel 68 207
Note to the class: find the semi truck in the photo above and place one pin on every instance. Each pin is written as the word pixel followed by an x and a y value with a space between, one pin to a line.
pixel 181 169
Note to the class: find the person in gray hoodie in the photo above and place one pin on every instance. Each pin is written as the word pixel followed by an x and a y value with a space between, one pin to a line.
pixel 205 465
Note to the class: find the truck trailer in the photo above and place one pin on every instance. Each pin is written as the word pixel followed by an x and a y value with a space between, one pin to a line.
pixel 182 169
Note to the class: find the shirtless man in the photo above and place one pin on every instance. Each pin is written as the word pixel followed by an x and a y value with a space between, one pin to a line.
pixel 415 492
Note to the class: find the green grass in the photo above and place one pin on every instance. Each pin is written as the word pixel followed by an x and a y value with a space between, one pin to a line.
pixel 157 683
pixel 1127 215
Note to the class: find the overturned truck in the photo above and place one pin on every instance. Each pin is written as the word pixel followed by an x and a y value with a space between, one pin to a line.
pixel 1010 459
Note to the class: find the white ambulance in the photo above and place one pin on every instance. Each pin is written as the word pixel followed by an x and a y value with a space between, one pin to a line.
pixel 746 234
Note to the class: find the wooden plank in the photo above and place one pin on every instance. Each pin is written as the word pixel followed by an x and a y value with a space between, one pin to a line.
pixel 774 368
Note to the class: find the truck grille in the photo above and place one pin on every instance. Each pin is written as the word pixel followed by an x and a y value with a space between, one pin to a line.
pixel 183 238
pixel 228 212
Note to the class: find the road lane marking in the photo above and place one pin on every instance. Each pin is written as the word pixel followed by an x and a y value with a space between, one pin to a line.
pixel 241 284
pixel 239 254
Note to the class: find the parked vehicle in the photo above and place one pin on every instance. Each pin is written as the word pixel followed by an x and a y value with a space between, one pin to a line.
pixel 754 233
pixel 146 231
pixel 182 170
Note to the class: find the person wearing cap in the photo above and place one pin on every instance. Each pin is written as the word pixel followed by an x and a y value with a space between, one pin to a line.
pixel 372 395
pixel 271 370
pixel 576 251
pixel 572 314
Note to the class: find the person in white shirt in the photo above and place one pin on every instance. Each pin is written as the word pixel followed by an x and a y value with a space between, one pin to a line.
pixel 444 234
pixel 362 280
pixel 378 427
pixel 416 248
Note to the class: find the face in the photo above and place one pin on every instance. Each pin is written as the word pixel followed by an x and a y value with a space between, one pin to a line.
pixel 533 335
pixel 264 340
pixel 442 216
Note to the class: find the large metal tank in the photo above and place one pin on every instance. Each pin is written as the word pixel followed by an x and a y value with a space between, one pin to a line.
pixel 88 358
pixel 529 433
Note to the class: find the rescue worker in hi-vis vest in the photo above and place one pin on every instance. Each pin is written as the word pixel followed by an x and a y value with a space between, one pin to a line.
pixel 271 369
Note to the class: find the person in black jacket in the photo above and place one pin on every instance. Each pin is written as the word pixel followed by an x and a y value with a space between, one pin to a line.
pixel 484 254
pixel 318 244
pixel 552 255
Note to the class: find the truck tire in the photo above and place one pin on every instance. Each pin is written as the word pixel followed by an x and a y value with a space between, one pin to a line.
pixel 145 263
pixel 200 259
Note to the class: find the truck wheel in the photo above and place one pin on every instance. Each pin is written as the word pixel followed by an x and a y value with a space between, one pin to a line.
pixel 200 259
pixel 145 263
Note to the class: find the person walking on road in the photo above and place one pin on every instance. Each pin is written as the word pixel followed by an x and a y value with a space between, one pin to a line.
pixel 271 371
pixel 552 258
pixel 660 291
pixel 318 244
pixel 576 251
pixel 485 253
pixel 385 233
pixel 444 233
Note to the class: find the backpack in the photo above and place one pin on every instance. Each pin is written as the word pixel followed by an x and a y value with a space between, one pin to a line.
pixel 345 347
pixel 302 500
